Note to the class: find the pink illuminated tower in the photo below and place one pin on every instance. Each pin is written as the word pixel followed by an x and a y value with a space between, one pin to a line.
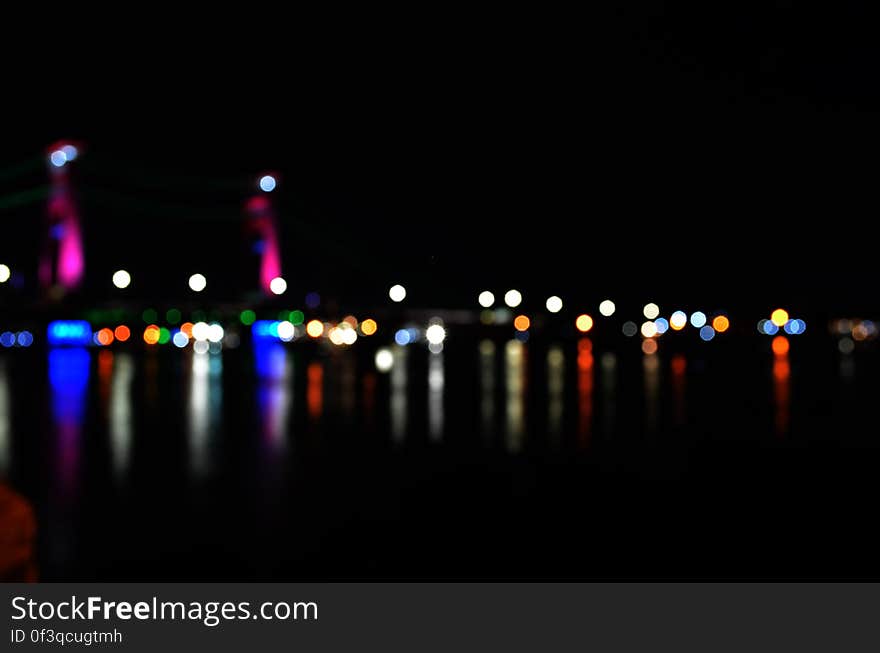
pixel 262 222
pixel 62 263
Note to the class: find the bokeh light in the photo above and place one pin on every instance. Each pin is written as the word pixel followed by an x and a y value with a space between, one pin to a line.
pixel 121 279
pixel 513 298
pixel 215 333
pixel 397 293
pixel 5 273
pixel 164 335
pixel 651 310
pixel 172 315
pixel 278 286
pixel 678 320
pixel 769 328
pixel 436 334
pixel 315 328
pixel 384 360
pixel 296 317
pixel 58 158
pixel 104 337
pixel 521 323
pixel 122 333
pixel 151 334
pixel 648 329
pixel 180 340
pixel 662 325
pixel 649 346
pixel 583 323
pixel 70 152
pixel 780 345
pixel 313 299
pixel 24 339
pixel 629 329
pixel 607 308
pixel 247 317
pixel 779 317
pixel 187 329
pixel 846 346
pixel 401 337
pixel 707 333
pixel 720 323
pixel 369 326
pixel 267 182
pixel 698 319
pixel 7 339
pixel 286 331
pixel 197 282
pixel 486 299
pixel 554 304
pixel 200 331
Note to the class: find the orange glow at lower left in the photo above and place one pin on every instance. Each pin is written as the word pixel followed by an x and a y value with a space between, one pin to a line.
pixel 105 337
pixel 151 334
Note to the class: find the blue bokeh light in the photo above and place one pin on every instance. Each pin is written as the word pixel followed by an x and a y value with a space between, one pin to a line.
pixel 707 333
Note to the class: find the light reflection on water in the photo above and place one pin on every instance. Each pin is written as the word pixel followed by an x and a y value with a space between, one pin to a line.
pixel 205 403
pixel 274 396
pixel 515 382
pixel 585 391
pixel 651 366
pixel 120 416
pixel 69 383
pixel 398 402
pixel 781 393
pixel 436 380
pixel 609 388
pixel 487 388
pixel 555 392
pixel 5 422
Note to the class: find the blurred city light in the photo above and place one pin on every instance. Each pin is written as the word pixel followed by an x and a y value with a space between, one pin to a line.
pixel 607 308
pixel 151 334
pixel 698 319
pixel 707 333
pixel 278 286
pixel 780 345
pixel 315 328
pixel 651 310
pixel 513 298
pixel 267 182
pixel 554 304
pixel 5 273
pixel 486 299
pixel 121 279
pixel 678 320
pixel 649 329
pixel 629 329
pixel 180 339
pixel 122 333
pixel 369 327
pixel 521 323
pixel 69 332
pixel 197 282
pixel 384 360
pixel 720 323
pixel 662 325
pixel 583 323
pixel 779 317
pixel 435 334
pixel 397 293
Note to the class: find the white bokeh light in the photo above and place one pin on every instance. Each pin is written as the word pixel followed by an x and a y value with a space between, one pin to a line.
pixel 384 360
pixel 486 299
pixel 513 298
pixel 651 311
pixel 121 279
pixel 278 286
pixel 397 293
pixel 197 282
pixel 5 273
pixel 607 308
pixel 554 304
pixel 435 334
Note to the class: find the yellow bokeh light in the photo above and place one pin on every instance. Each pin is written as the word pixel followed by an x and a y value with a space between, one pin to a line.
pixel 315 328
pixel 721 323
pixel 369 326
pixel 779 317
pixel 151 334
pixel 583 323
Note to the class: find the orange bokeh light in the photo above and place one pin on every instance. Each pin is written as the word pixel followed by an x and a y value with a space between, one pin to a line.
pixel 122 333
pixel 521 323
pixel 780 345
pixel 649 346
pixel 369 326
pixel 151 334
pixel 315 328
pixel 583 323
pixel 779 317
pixel 352 320
pixel 721 323
pixel 187 329
pixel 105 337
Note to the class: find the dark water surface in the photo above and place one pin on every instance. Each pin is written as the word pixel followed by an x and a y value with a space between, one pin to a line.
pixel 493 459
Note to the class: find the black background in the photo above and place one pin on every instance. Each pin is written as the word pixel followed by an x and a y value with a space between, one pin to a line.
pixel 664 152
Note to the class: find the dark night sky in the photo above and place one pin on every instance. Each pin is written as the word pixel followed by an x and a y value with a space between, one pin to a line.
pixel 661 153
